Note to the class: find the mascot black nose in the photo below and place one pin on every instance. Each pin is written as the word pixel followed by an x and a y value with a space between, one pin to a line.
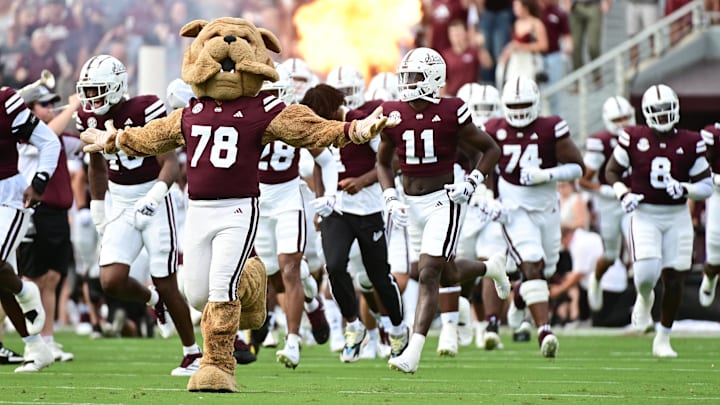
pixel 229 39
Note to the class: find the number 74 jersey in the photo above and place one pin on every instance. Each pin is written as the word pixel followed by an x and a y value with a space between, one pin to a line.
pixel 426 141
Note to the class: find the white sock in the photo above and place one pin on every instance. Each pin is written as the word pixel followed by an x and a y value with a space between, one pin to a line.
pixel 415 346
pixel 49 339
pixel 154 297
pixel 397 329
pixel 355 325
pixel 373 334
pixel 32 339
pixel 192 349
pixel 312 305
pixel 385 322
pixel 23 289
pixel 449 317
pixel 292 340
pixel 664 330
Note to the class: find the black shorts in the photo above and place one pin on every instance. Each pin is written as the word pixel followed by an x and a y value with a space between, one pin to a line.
pixel 50 247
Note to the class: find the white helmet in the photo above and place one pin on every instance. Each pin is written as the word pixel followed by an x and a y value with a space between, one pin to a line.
pixel 617 113
pixel 107 77
pixel 350 82
pixel 661 108
pixel 483 100
pixel 521 101
pixel 283 88
pixel 301 76
pixel 383 86
pixel 422 73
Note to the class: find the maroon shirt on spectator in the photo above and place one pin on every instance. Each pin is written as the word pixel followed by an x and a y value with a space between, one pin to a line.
pixel 35 64
pixel 556 25
pixel 426 141
pixel 137 111
pixel 461 68
pixel 442 12
pixel 58 193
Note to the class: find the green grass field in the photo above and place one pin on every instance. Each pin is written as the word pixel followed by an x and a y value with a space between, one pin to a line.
pixel 589 369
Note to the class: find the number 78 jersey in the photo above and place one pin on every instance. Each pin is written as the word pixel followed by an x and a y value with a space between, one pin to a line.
pixel 426 141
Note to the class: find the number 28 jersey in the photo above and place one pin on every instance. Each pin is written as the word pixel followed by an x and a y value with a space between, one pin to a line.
pixel 426 141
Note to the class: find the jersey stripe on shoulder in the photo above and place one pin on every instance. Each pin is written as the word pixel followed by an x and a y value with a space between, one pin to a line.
pixel 13 103
pixel 700 147
pixel 708 137
pixel 561 128
pixel 594 144
pixel 79 123
pixel 270 102
pixel 624 139
pixel 155 110
pixel 463 113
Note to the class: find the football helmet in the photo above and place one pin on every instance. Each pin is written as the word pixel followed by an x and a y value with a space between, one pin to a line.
pixel 483 100
pixel 102 84
pixel 383 86
pixel 350 82
pixel 521 101
pixel 661 108
pixel 283 88
pixel 421 75
pixel 301 75
pixel 617 113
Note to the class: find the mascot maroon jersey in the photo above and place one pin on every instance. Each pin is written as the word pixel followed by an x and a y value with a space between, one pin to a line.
pixel 426 141
pixel 137 111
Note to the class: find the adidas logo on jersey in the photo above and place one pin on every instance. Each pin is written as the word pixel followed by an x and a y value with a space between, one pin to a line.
pixel 436 118
pixel 128 122
pixel 238 114
pixel 534 136
pixel 680 151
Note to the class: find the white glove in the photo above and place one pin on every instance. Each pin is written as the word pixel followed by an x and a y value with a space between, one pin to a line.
pixel 460 193
pixel 324 206
pixel 84 217
pixel 606 191
pixel 493 210
pixel 97 213
pixel 630 201
pixel 396 209
pixel 370 126
pixel 531 176
pixel 716 179
pixel 97 140
pixel 675 189
pixel 146 207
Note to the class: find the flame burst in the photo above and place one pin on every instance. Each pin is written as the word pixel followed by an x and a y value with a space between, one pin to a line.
pixel 369 35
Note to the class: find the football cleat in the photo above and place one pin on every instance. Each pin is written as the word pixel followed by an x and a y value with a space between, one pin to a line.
pixel 37 356
pixel 398 343
pixel 290 354
pixel 548 344
pixel 491 341
pixel 369 350
pixel 164 320
pixel 595 294
pixel 272 339
pixel 465 329
pixel 353 339
pixel 522 333
pixel 189 365
pixel 59 354
pixel 406 362
pixel 32 308
pixel 495 270
pixel 707 290
pixel 8 356
pixel 448 342
pixel 661 346
pixel 641 318
pixel 320 326
pixel 243 353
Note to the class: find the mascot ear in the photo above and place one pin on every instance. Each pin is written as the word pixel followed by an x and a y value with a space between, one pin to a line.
pixel 270 40
pixel 193 28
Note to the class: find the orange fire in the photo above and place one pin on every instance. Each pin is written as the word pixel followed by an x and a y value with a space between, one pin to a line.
pixel 369 35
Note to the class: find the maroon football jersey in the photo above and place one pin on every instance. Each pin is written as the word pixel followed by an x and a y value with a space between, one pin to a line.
pixel 356 160
pixel 603 143
pixel 655 160
pixel 11 105
pixel 426 141
pixel 711 136
pixel 278 163
pixel 58 193
pixel 532 146
pixel 224 145
pixel 135 112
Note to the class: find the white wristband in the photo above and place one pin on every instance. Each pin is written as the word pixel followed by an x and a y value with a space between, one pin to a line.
pixel 158 191
pixel 620 189
pixel 390 194
pixel 97 211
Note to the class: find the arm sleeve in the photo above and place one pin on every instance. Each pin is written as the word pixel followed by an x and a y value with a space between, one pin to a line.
pixel 329 171
pixel 48 146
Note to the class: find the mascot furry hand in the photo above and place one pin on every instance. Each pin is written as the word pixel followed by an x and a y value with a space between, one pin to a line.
pixel 226 65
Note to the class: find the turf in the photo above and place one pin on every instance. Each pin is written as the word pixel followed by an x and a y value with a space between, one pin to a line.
pixel 589 369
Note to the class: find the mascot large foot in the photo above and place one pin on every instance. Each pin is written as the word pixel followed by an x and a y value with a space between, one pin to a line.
pixel 252 293
pixel 217 368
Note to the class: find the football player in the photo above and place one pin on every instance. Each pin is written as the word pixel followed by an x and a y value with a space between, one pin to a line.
pixel 21 299
pixel 617 113
pixel 281 235
pixel 711 135
pixel 479 237
pixel 425 142
pixel 356 215
pixel 668 166
pixel 142 213
pixel 302 77
pixel 537 152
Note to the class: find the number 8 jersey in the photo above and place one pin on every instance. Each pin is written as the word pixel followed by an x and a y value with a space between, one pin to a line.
pixel 426 141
